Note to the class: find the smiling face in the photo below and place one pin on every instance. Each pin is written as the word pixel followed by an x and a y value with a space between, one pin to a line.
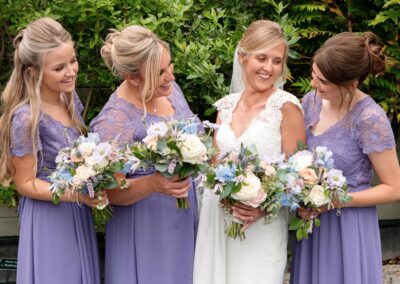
pixel 261 69
pixel 59 71
pixel 164 87
pixel 324 89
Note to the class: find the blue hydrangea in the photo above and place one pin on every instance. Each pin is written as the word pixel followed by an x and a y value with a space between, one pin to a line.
pixel 225 173
pixel 190 128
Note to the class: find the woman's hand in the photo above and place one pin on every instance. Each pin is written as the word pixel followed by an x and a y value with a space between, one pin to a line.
pixel 99 200
pixel 247 214
pixel 309 214
pixel 173 186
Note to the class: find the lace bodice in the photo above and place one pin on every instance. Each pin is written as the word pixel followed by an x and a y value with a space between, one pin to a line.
pixel 264 130
pixel 365 129
pixel 121 119
pixel 53 136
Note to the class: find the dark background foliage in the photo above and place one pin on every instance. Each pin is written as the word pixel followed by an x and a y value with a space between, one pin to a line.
pixel 203 35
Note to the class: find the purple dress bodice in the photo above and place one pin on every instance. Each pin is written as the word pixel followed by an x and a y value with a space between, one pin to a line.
pixel 53 136
pixel 57 243
pixel 346 248
pixel 122 119
pixel 365 129
pixel 149 241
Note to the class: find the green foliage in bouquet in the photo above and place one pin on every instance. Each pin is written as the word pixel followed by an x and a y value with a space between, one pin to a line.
pixel 9 196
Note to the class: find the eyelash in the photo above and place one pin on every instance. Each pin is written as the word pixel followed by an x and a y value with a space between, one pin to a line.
pixel 262 59
pixel 169 66
pixel 319 80
pixel 58 69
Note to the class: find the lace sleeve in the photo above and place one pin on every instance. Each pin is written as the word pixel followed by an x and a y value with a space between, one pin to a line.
pixel 226 105
pixel 373 130
pixel 113 123
pixel 20 134
pixel 283 97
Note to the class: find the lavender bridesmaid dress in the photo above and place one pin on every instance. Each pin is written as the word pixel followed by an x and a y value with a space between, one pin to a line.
pixel 346 249
pixel 57 243
pixel 150 241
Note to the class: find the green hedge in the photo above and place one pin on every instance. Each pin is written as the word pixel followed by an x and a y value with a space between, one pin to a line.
pixel 203 35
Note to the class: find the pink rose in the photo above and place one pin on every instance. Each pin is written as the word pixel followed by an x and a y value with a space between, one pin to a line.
pixel 308 176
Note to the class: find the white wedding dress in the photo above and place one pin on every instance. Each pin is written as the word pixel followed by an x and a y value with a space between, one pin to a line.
pixel 261 257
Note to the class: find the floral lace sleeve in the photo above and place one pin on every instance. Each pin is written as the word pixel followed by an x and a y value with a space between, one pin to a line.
pixel 20 135
pixel 226 105
pixel 113 123
pixel 373 130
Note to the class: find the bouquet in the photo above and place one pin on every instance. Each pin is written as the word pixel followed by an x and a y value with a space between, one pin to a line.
pixel 90 166
pixel 176 148
pixel 312 182
pixel 243 177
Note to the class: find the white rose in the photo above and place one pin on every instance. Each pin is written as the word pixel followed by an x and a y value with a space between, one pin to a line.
pixel 301 160
pixel 317 196
pixel 76 181
pixel 151 142
pixel 192 149
pixel 83 173
pixel 86 149
pixel 269 170
pixel 252 193
pixel 97 162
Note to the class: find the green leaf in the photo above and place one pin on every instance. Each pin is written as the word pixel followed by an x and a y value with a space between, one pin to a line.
pixel 301 146
pixel 296 224
pixel 227 190
pixel 161 167
pixel 111 184
pixel 299 234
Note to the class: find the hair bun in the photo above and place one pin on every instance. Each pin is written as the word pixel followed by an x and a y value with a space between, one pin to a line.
pixel 18 39
pixel 107 49
pixel 376 57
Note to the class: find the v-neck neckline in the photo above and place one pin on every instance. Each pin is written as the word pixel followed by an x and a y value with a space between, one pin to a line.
pixel 253 119
pixel 336 124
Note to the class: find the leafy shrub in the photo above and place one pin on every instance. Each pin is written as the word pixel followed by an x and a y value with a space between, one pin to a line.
pixel 203 36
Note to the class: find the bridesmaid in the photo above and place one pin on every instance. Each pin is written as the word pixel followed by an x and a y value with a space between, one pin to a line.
pixel 148 240
pixel 346 249
pixel 41 115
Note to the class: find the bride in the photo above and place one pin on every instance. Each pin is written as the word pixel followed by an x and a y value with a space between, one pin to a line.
pixel 256 113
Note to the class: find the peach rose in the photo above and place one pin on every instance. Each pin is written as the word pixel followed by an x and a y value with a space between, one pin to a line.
pixel 308 175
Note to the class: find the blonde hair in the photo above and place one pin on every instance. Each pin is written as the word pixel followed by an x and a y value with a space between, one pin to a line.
pixel 261 35
pixel 32 44
pixel 126 52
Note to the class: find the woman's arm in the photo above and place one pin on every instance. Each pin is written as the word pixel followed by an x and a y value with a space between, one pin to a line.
pixel 32 187
pixel 292 127
pixel 386 166
pixel 141 187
